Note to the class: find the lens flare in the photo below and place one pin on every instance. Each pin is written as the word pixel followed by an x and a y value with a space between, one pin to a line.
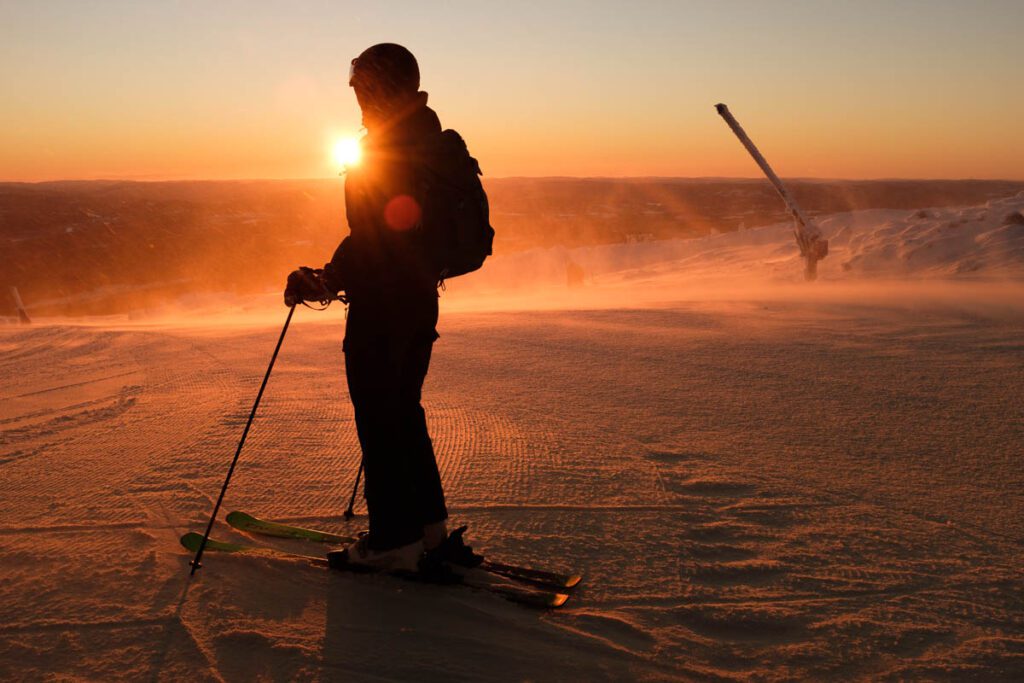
pixel 402 213
pixel 347 152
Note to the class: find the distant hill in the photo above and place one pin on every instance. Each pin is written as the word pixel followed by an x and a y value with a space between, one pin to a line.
pixel 105 246
pixel 580 211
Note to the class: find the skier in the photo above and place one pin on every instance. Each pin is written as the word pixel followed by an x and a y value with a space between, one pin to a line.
pixel 391 284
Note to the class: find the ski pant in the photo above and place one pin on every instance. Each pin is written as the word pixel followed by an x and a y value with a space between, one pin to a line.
pixel 385 371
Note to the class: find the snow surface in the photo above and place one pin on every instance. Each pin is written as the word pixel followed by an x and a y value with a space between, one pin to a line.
pixel 759 478
pixel 980 242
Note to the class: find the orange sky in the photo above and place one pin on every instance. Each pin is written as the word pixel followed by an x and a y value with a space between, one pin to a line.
pixel 232 89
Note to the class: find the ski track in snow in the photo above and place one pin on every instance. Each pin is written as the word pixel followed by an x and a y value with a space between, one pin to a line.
pixel 770 489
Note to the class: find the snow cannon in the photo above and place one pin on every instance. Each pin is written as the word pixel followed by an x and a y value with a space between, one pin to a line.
pixel 813 246
pixel 19 306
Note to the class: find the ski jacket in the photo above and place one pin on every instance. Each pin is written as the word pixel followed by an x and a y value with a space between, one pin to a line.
pixel 383 255
pixel 382 264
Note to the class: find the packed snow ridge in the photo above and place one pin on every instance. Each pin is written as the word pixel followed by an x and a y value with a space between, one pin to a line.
pixel 978 242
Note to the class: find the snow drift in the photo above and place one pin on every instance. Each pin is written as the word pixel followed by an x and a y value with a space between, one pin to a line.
pixel 976 242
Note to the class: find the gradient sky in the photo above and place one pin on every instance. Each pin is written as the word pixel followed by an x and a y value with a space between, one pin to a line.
pixel 257 89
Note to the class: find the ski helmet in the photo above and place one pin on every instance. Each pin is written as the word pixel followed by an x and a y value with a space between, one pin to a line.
pixel 386 69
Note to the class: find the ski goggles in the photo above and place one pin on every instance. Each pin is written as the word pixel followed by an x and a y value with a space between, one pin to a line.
pixel 373 76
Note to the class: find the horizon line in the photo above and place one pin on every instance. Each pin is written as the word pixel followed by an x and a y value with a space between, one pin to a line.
pixel 520 177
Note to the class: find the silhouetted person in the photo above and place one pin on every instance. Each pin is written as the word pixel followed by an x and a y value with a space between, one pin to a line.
pixel 390 281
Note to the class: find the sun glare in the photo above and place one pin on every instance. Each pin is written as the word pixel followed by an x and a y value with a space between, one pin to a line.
pixel 347 152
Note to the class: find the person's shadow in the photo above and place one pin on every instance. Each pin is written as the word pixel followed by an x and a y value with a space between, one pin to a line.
pixel 383 626
pixel 387 628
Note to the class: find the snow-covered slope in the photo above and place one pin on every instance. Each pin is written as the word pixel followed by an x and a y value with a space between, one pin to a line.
pixel 775 491
pixel 980 242
pixel 758 481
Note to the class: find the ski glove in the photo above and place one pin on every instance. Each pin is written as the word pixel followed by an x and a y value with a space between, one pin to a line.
pixel 306 284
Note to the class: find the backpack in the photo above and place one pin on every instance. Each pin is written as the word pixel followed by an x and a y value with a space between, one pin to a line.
pixel 455 223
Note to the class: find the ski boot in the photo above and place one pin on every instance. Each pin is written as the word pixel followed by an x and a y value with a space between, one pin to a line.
pixel 453 550
pixel 360 557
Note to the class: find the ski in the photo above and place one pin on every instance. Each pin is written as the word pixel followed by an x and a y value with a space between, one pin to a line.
pixel 521 595
pixel 247 523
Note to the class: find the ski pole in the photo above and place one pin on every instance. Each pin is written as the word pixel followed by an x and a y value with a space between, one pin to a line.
pixel 349 514
pixel 245 432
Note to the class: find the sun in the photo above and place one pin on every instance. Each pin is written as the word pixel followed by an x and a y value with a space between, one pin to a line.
pixel 347 152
